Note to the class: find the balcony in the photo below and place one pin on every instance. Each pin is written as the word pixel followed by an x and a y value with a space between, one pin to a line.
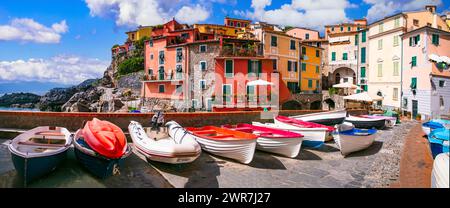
pixel 166 77
pixel 228 51
pixel 245 100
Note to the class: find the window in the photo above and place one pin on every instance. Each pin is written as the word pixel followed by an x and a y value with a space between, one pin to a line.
pixel 179 71
pixel 273 41
pixel 179 57
pixel 416 22
pixel 194 103
pixel 380 44
pixel 150 43
pixel 395 94
pixel 226 91
pixel 151 56
pixel 229 68
pixel 413 83
pixel 332 29
pixel 413 41
pixel 310 83
pixel 363 36
pixel 293 87
pixel 203 48
pixel 161 57
pixel 349 28
pixel 231 24
pixel 251 93
pixel 344 56
pixel 414 61
pixel 245 24
pixel 150 72
pixel 185 35
pixel 161 73
pixel 161 88
pixel 295 66
pixel 363 72
pixel 381 28
pixel 342 28
pixel 380 70
pixel 292 44
pixel 441 101
pixel 317 53
pixel 307 36
pixel 317 84
pixel 254 67
pixel 304 67
pixel 333 56
pixel 363 55
pixel 202 84
pixel 435 39
pixel 405 102
pixel 304 50
pixel 396 68
pixel 397 22
pixel 441 83
pixel 429 24
pixel 179 88
pixel 274 64
pixel 203 65
pixel 238 24
pixel 317 69
pixel 396 40
pixel 289 66
pixel 356 39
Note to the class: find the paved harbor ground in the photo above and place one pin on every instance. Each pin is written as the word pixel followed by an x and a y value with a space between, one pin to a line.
pixel 377 166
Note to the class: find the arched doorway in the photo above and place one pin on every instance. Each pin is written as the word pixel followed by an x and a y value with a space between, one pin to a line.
pixel 344 74
pixel 316 105
pixel 291 105
pixel 337 78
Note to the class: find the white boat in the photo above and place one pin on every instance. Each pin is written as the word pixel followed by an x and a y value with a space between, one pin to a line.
pixel 350 139
pixel 272 140
pixel 39 151
pixel 174 147
pixel 236 145
pixel 440 172
pixel 366 123
pixel 329 118
pixel 312 137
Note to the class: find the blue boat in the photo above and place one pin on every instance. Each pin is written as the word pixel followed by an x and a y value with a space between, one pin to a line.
pixel 439 141
pixel 429 126
pixel 100 166
pixel 39 151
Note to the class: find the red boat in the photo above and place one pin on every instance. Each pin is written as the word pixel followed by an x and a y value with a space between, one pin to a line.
pixel 302 124
pixel 105 138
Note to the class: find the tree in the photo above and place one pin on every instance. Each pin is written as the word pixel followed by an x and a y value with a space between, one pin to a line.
pixel 131 65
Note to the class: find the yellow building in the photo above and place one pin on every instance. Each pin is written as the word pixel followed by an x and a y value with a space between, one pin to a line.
pixel 217 29
pixel 310 68
pixel 141 32
pixel 285 52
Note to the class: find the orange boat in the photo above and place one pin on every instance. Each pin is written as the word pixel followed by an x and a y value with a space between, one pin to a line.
pixel 105 138
pixel 232 144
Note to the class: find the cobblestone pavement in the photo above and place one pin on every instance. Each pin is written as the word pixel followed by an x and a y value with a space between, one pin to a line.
pixel 376 166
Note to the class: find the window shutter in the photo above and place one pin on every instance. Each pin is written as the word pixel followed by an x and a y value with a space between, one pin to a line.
pixel 410 41
pixel 259 67
pixel 249 69
pixel 289 66
pixel 295 66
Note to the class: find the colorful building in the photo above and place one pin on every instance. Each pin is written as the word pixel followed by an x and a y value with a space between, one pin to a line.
pixel 426 80
pixel 238 23
pixel 304 33
pixel 385 51
pixel 362 62
pixel 140 32
pixel 310 68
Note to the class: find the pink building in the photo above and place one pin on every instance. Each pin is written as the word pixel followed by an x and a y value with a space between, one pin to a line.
pixel 426 72
pixel 303 33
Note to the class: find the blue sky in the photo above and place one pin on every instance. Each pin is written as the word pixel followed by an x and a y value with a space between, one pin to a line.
pixel 74 37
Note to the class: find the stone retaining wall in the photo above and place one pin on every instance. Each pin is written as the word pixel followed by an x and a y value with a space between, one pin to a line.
pixel 73 121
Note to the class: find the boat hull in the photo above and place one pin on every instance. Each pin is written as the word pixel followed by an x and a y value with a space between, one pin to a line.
pixel 350 143
pixel 330 118
pixel 239 150
pixel 368 124
pixel 439 141
pixel 440 172
pixel 289 147
pixel 426 130
pixel 312 137
pixel 31 169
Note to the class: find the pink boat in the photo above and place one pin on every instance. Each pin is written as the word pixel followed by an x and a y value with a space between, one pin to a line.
pixel 272 140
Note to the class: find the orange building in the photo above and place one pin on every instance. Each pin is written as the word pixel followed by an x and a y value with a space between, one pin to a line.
pixel 310 68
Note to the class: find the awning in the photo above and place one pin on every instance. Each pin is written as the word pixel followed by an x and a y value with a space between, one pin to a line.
pixel 347 85
pixel 438 59
pixel 364 96
pixel 260 82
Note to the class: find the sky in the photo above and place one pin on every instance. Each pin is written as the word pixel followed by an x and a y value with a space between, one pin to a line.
pixel 50 43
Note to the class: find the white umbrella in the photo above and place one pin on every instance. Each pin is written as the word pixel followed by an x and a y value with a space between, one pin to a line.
pixel 346 85
pixel 445 59
pixel 259 82
pixel 364 96
pixel 435 58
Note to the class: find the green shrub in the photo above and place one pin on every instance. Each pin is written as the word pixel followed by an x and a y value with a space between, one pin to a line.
pixel 131 65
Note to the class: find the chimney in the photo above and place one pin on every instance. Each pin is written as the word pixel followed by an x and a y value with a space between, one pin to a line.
pixel 431 8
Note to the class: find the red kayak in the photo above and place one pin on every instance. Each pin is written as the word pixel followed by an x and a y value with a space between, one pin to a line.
pixel 302 124
pixel 105 138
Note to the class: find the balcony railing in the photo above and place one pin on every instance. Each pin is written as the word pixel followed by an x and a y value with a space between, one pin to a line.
pixel 164 77
pixel 240 52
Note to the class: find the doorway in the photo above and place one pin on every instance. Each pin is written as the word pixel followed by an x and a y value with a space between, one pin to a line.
pixel 415 106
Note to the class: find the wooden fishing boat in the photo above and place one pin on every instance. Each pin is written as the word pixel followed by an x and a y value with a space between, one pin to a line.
pixel 350 139
pixel 272 140
pixel 174 146
pixel 98 163
pixel 314 134
pixel 440 172
pixel 39 151
pixel 329 118
pixel 366 123
pixel 227 143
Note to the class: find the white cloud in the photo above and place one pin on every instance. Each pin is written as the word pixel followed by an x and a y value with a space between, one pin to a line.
pixel 130 13
pixel 192 15
pixel 382 8
pixel 60 69
pixel 305 13
pixel 28 30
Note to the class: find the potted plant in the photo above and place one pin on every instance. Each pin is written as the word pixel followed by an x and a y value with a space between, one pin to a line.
pixel 418 117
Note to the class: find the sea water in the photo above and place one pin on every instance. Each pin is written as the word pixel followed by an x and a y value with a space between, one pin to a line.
pixel 18 109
